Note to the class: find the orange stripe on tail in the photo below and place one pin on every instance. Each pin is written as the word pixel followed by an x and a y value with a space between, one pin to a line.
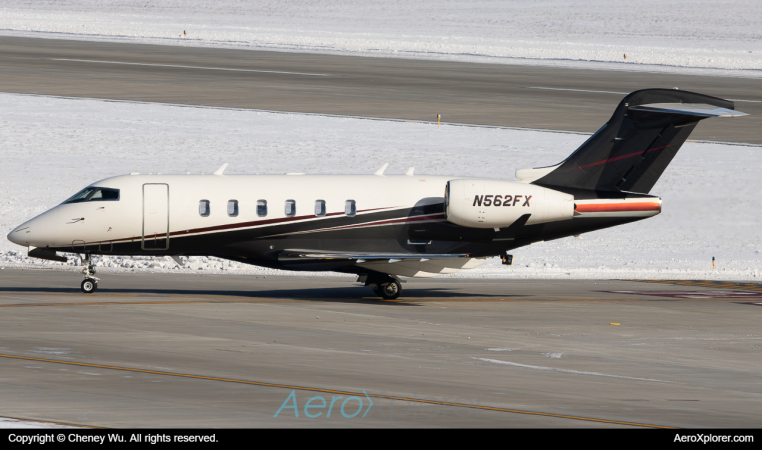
pixel 618 207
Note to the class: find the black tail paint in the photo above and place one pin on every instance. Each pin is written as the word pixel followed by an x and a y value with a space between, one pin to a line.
pixel 631 151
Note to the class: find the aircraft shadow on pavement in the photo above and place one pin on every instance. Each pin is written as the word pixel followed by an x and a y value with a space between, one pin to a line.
pixel 331 294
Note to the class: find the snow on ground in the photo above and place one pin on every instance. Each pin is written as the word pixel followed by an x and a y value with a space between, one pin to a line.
pixel 53 147
pixel 685 36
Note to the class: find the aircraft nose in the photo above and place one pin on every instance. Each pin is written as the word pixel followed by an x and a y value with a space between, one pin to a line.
pixel 20 235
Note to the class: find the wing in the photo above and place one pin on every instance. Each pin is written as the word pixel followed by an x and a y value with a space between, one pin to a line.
pixel 419 265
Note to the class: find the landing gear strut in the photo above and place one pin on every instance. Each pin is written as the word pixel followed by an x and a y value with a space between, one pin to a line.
pixel 90 284
pixel 383 285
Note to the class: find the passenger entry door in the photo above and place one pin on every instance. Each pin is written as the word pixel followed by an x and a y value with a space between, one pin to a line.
pixel 155 217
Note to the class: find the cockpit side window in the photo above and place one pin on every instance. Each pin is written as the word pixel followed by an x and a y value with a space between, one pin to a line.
pixel 95 194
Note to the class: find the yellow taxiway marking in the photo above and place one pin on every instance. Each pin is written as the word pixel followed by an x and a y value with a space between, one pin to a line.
pixel 563 300
pixel 709 284
pixel 333 391
pixel 52 423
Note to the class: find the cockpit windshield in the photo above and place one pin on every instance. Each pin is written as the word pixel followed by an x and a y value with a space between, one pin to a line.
pixel 94 194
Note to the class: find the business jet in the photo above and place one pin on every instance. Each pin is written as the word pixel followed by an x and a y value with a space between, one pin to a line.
pixel 379 227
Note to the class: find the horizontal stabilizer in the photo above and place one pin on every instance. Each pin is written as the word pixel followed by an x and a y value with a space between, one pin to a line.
pixel 689 109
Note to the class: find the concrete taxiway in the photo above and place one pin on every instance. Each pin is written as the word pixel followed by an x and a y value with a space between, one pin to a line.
pixel 187 350
pixel 487 94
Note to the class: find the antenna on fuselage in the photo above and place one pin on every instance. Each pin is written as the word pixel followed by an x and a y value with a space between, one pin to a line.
pixel 221 169
pixel 381 170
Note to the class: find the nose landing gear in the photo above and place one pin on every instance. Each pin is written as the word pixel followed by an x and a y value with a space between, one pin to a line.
pixel 90 284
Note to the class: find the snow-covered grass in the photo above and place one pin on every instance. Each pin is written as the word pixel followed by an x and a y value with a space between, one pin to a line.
pixel 53 147
pixel 683 36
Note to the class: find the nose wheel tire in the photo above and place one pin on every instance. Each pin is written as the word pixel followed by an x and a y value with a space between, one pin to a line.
pixel 89 286
pixel 391 290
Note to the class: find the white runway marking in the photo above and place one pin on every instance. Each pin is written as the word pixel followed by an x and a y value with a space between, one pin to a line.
pixel 575 90
pixel 192 67
pixel 621 93
pixel 578 372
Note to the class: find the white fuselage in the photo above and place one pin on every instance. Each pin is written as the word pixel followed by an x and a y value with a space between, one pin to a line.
pixel 115 221
pixel 311 222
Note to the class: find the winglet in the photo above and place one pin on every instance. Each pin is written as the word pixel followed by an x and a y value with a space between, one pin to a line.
pixel 381 170
pixel 221 169
pixel 410 171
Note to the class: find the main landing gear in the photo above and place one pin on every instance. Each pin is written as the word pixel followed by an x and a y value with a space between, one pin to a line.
pixel 383 285
pixel 90 284
pixel 388 291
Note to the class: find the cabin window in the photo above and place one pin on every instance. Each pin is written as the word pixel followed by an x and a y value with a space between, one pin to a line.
pixel 232 208
pixel 320 208
pixel 204 208
pixel 290 208
pixel 350 208
pixel 261 208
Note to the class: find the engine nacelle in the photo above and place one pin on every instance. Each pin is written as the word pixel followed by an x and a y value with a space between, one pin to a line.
pixel 497 204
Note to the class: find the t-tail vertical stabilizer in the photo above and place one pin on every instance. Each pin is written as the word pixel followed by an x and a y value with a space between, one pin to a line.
pixel 631 151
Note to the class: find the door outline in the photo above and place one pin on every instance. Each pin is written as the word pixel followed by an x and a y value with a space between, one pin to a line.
pixel 143 240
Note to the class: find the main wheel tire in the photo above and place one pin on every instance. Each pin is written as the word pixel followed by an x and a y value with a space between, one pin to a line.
pixel 392 290
pixel 377 290
pixel 89 286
